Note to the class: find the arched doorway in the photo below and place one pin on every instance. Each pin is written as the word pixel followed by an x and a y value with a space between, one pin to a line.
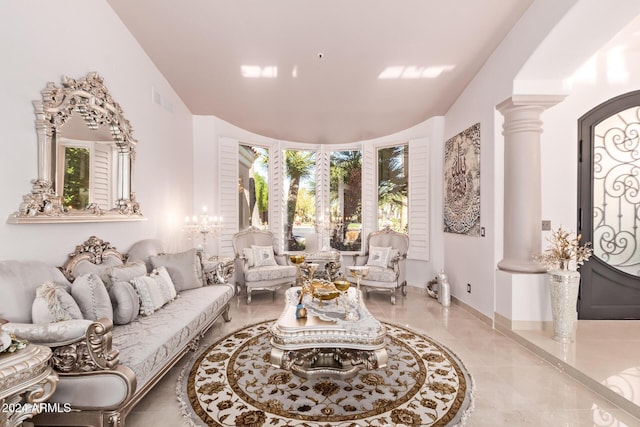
pixel 609 208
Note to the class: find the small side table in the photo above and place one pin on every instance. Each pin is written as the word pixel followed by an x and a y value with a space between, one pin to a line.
pixel 26 381
pixel 218 269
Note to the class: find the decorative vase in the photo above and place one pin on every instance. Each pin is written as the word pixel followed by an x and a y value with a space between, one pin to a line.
pixel 563 286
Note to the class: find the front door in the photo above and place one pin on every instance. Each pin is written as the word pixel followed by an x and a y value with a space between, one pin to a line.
pixel 609 208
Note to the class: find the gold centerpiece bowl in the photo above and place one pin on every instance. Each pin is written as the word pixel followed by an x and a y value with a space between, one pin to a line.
pixel 296 259
pixel 324 291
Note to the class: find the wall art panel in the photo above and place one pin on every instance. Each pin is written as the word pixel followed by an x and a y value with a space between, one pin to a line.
pixel 462 183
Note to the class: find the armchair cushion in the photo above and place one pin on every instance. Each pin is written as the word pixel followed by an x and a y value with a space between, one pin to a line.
pixel 92 297
pixel 270 272
pixel 263 256
pixel 381 274
pixel 50 334
pixel 125 301
pixel 185 269
pixel 54 304
pixel 378 256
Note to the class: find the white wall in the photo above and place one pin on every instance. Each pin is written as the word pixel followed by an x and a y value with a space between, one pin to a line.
pixel 208 130
pixel 521 64
pixel 42 41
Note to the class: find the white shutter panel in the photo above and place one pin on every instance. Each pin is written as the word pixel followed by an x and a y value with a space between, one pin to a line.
pixel 277 202
pixel 369 192
pixel 419 199
pixel 100 175
pixel 228 193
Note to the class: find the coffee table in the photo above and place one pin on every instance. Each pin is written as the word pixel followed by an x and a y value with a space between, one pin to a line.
pixel 323 344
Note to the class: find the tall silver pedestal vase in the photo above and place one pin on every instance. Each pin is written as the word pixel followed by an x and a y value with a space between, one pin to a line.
pixel 563 286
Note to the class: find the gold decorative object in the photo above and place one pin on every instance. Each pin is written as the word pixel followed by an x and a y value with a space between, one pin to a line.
pixel 297 260
pixel 324 291
pixel 342 285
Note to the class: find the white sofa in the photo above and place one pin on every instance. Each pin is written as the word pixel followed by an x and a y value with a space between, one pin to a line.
pixel 105 369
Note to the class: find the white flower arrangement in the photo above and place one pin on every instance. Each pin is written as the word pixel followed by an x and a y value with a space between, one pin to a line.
pixel 564 249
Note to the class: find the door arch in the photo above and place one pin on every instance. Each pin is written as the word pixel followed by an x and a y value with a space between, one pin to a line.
pixel 609 208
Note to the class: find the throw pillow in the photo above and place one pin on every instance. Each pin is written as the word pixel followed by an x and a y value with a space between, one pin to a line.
pixel 53 304
pixel 263 256
pixel 126 272
pixel 126 303
pixel 150 296
pixel 92 297
pixel 184 268
pixel 164 282
pixel 378 256
pixel 103 270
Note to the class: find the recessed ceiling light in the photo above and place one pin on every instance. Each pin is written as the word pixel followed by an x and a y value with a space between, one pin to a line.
pixel 256 71
pixel 414 72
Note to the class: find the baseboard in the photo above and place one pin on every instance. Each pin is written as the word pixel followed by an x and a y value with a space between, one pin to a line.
pixel 501 322
pixel 482 317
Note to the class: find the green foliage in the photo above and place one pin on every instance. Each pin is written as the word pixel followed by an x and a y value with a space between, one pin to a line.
pixel 76 178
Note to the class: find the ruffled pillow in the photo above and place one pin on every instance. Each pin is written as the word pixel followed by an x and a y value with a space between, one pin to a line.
pixel 155 290
pixel 53 304
pixel 92 297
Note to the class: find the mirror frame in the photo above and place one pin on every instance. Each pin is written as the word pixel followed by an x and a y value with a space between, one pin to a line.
pixel 58 104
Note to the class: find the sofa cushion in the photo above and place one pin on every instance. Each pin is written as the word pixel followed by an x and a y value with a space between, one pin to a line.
pixel 378 256
pixel 18 283
pixel 128 271
pixel 381 274
pixel 271 272
pixel 147 343
pixel 54 304
pixel 92 297
pixel 125 302
pixel 184 268
pixel 143 250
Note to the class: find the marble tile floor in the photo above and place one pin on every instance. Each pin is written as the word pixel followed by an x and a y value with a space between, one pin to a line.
pixel 514 386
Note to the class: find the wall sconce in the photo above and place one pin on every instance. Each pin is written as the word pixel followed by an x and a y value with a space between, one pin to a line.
pixel 203 225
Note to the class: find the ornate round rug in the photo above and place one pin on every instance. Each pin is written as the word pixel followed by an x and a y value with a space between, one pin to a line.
pixel 232 383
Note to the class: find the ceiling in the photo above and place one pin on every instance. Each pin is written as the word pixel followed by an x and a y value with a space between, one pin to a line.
pixel 312 69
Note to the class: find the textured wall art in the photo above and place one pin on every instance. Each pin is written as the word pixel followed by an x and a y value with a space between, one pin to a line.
pixel 462 183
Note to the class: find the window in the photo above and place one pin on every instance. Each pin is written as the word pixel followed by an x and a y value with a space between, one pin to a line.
pixel 345 205
pixel 300 194
pixel 393 187
pixel 253 187
pixel 77 161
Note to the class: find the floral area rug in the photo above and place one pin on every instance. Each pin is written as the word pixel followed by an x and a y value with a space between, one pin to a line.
pixel 232 383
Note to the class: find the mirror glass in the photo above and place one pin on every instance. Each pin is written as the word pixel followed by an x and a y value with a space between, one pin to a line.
pixel 85 157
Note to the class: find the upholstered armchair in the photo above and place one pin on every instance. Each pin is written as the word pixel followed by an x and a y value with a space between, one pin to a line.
pixel 386 258
pixel 258 266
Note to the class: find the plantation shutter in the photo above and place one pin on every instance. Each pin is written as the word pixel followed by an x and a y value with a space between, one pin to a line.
pixel 419 199
pixel 369 192
pixel 100 185
pixel 228 193
pixel 277 200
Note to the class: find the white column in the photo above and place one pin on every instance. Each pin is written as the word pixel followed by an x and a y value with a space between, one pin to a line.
pixel 522 193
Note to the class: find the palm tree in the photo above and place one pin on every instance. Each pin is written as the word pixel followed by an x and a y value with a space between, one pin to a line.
pixel 393 172
pixel 299 165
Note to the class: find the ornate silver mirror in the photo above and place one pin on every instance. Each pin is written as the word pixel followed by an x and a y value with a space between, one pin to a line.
pixel 86 154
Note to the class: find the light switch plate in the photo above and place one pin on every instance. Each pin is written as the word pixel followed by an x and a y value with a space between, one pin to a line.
pixel 546 225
